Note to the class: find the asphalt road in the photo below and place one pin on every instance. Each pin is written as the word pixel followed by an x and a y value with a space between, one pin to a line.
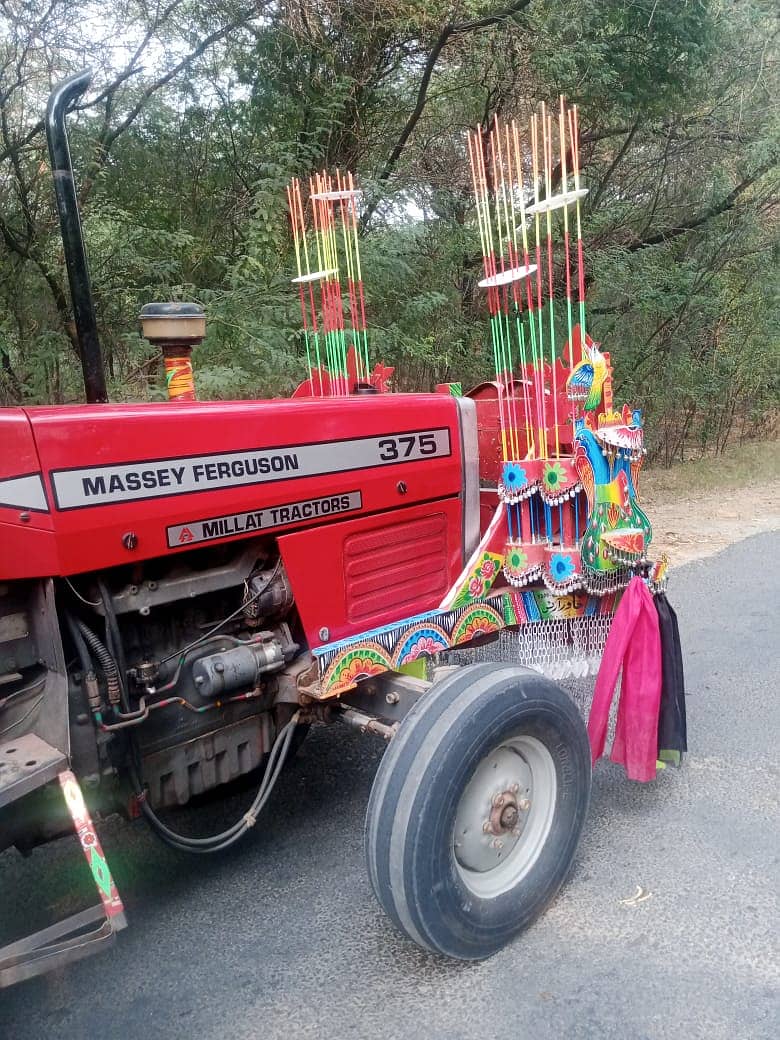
pixel 282 938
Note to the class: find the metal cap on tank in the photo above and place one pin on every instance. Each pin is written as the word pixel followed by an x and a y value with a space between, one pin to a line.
pixel 175 328
pixel 173 324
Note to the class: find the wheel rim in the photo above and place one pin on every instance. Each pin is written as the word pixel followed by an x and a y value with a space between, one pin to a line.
pixel 504 816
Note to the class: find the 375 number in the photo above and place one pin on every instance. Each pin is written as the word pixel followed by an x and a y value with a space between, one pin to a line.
pixel 401 447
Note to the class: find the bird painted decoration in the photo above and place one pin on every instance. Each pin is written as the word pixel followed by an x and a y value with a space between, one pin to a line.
pixel 587 377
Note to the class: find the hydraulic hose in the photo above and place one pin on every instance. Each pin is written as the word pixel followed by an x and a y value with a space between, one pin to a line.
pixel 105 660
pixel 222 841
pixel 79 644
pixel 114 640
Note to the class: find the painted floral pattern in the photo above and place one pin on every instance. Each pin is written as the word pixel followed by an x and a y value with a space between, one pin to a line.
pixel 480 580
pixel 476 587
pixel 517 561
pixel 359 668
pixel 421 640
pixel 514 476
pixel 554 476
pixel 561 566
pixel 478 621
pixel 359 663
pixel 422 645
pixel 489 567
pixel 386 649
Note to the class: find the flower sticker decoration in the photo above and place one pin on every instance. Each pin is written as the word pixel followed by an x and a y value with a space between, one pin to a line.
pixel 353 664
pixel 480 579
pixel 514 476
pixel 476 587
pixel 360 668
pixel 422 640
pixel 517 561
pixel 422 645
pixel 478 621
pixel 554 476
pixel 488 568
pixel 561 567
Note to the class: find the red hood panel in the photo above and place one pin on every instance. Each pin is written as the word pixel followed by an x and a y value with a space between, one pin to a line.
pixel 149 476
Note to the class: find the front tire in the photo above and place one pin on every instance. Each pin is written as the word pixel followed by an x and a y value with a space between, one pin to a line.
pixel 477 809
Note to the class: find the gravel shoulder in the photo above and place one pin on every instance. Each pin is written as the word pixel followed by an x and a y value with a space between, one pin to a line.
pixel 699 508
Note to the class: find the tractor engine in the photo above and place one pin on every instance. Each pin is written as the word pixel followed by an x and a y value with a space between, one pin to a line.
pixel 176 665
pixel 202 641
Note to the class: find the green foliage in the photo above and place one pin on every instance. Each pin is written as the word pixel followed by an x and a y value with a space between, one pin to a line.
pixel 183 163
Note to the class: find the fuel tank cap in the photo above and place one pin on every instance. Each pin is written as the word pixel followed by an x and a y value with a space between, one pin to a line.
pixel 173 323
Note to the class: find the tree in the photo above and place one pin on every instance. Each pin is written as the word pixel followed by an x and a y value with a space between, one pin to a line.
pixel 200 115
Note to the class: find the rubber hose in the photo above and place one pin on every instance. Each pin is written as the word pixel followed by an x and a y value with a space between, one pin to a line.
pixel 113 637
pixel 220 842
pixel 216 842
pixel 105 660
pixel 79 644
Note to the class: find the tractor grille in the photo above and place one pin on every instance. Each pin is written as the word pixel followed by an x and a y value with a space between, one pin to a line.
pixel 401 568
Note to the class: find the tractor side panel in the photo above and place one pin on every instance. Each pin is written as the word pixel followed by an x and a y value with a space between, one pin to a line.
pixel 358 574
pixel 27 543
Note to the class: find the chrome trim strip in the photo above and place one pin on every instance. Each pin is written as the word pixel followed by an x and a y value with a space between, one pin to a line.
pixel 469 447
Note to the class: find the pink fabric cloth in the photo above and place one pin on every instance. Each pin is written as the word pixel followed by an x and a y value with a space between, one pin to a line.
pixel 633 644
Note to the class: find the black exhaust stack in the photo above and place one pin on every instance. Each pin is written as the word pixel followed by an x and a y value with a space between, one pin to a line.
pixel 61 100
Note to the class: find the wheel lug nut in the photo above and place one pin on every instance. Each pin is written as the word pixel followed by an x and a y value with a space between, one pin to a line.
pixel 498 800
pixel 524 804
pixel 514 788
pixel 497 844
pixel 486 827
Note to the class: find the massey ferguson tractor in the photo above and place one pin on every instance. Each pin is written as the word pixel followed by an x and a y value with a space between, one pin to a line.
pixel 186 586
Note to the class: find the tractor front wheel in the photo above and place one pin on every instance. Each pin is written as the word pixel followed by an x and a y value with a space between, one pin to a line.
pixel 477 808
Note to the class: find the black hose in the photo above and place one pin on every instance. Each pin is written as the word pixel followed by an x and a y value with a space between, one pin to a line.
pixel 105 660
pixel 79 644
pixel 114 640
pixel 224 840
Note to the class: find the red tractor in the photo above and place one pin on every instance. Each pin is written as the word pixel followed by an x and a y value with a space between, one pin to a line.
pixel 185 587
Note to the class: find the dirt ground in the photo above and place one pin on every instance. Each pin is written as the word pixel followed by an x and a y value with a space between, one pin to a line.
pixel 699 508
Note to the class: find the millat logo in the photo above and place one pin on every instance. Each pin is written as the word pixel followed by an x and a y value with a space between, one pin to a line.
pixel 263 519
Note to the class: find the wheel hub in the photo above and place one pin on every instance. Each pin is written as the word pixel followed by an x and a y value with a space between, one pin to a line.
pixel 490 820
pixel 509 817
pixel 504 814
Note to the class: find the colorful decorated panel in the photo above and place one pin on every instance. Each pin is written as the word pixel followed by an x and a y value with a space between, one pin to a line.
pixel 571 460
pixel 344 664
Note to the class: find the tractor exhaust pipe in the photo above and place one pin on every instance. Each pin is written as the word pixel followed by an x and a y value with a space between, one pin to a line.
pixel 61 100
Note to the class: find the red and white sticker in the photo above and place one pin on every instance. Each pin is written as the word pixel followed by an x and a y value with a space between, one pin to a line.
pixel 163 478
pixel 25 492
pixel 263 519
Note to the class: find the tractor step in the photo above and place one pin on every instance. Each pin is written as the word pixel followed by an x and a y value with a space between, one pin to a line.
pixel 88 931
pixel 26 764
pixel 60 944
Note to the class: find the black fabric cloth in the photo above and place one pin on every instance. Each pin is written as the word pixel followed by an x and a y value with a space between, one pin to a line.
pixel 672 725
